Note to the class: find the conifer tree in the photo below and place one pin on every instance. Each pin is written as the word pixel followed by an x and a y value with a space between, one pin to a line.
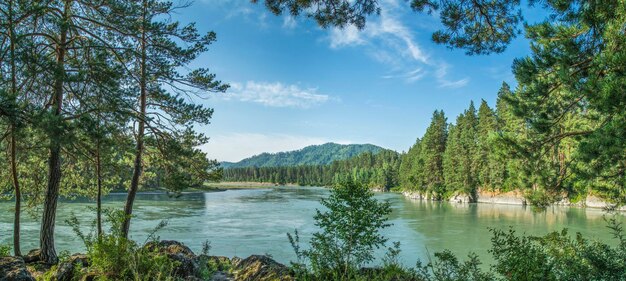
pixel 489 174
pixel 432 147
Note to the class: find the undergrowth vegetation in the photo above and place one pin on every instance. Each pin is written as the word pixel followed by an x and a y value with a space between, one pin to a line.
pixel 5 250
pixel 347 241
pixel 113 257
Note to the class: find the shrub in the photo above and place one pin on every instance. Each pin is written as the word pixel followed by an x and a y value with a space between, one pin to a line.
pixel 5 250
pixel 113 257
pixel 557 256
pixel 349 232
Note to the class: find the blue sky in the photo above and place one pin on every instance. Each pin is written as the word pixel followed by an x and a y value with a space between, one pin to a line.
pixel 294 84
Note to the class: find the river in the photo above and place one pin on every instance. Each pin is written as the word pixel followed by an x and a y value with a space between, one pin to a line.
pixel 255 221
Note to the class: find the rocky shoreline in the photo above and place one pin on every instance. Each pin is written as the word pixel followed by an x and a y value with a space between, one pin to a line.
pixel 515 197
pixel 190 266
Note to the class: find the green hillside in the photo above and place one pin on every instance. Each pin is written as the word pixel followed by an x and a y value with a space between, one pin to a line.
pixel 311 155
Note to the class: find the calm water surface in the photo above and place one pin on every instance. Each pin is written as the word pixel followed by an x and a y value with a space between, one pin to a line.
pixel 255 221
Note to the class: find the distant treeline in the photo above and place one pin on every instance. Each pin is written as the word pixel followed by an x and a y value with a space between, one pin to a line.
pixel 379 170
pixel 489 149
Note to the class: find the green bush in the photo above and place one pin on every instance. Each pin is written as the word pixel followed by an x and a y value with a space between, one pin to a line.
pixel 113 257
pixel 5 250
pixel 557 256
pixel 349 233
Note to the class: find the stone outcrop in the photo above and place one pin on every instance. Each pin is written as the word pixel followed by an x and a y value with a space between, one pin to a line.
pixel 510 198
pixel 66 270
pixel 188 261
pixel 32 256
pixel 189 266
pixel 14 269
pixel 261 268
pixel 460 198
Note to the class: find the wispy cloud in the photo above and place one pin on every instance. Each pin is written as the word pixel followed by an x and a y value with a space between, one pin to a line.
pixel 289 22
pixel 391 42
pixel 350 35
pixel 441 74
pixel 237 146
pixel 275 94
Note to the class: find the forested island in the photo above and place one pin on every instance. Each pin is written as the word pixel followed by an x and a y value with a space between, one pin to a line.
pixel 107 95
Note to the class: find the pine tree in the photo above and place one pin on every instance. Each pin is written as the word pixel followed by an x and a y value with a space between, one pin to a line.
pixel 510 128
pixel 469 142
pixel 489 174
pixel 432 147
pixel 454 149
pixel 408 171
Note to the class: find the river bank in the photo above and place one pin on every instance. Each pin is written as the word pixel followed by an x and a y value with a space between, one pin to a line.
pixel 515 197
pixel 186 265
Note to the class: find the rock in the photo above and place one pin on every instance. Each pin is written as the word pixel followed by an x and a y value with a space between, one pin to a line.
pixel 261 268
pixel 14 268
pixel 235 261
pixel 460 198
pixel 218 262
pixel 222 276
pixel 38 269
pixel 32 256
pixel 188 261
pixel 515 197
pixel 65 270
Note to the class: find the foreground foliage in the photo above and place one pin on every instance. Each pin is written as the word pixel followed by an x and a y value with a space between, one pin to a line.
pixel 114 257
pixel 350 231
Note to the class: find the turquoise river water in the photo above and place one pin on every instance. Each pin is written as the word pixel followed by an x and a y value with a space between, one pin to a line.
pixel 255 221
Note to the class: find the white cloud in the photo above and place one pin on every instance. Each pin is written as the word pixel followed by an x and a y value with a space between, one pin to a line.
pixel 441 74
pixel 237 146
pixel 289 22
pixel 392 43
pixel 453 84
pixel 275 94
pixel 348 36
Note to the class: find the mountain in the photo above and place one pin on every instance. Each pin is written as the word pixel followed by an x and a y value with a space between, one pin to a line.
pixel 311 155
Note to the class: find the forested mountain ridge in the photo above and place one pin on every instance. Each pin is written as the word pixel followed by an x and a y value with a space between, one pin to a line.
pixel 378 170
pixel 323 154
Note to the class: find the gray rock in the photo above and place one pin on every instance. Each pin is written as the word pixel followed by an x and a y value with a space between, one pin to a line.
pixel 174 250
pixel 14 269
pixel 65 270
pixel 261 268
pixel 32 256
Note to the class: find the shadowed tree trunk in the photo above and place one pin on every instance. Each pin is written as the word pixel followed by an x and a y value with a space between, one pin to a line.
pixel 18 196
pixel 46 239
pixel 134 184
pixel 13 144
pixel 99 198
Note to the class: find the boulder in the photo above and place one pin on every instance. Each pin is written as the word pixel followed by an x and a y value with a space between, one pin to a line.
pixel 14 269
pixel 261 268
pixel 174 250
pixel 220 263
pixel 65 270
pixel 460 198
pixel 32 256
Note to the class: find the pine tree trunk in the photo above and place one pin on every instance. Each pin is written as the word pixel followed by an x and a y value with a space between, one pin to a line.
pixel 99 196
pixel 14 175
pixel 48 252
pixel 134 184
pixel 46 239
pixel 18 196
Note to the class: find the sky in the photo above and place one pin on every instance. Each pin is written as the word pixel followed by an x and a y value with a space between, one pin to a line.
pixel 295 84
